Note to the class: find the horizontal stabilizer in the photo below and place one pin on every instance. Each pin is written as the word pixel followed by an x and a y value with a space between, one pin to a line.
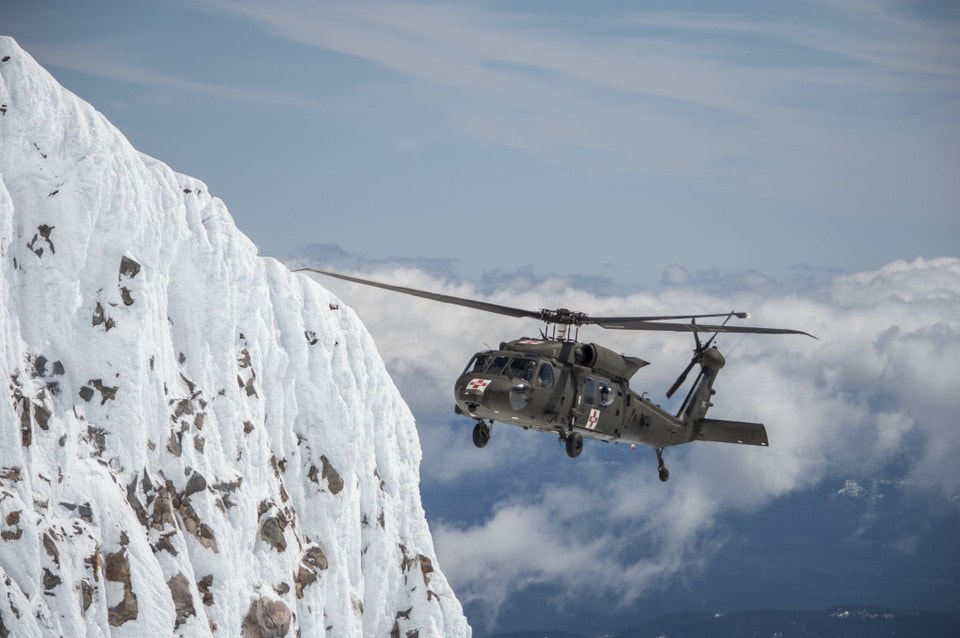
pixel 732 432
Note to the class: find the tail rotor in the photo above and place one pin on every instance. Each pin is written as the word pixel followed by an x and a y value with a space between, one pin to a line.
pixel 698 352
pixel 697 358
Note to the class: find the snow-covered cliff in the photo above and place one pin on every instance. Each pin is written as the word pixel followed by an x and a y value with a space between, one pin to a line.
pixel 193 440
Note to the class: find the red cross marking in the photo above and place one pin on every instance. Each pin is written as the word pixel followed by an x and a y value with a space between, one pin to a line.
pixel 593 419
pixel 478 384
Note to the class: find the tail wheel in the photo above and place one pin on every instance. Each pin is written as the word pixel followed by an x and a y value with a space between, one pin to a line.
pixel 661 468
pixel 574 443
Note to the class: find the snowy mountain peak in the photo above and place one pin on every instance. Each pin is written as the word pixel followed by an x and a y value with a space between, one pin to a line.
pixel 194 440
pixel 851 489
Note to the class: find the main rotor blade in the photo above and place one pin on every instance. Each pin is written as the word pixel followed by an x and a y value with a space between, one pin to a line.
pixel 563 316
pixel 602 320
pixel 628 323
pixel 459 301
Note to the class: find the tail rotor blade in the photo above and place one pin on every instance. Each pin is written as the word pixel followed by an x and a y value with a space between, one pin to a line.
pixel 697 356
pixel 683 377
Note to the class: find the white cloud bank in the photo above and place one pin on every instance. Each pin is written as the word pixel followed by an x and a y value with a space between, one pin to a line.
pixel 879 387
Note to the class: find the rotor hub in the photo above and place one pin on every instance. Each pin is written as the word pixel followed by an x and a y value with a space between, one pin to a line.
pixel 562 316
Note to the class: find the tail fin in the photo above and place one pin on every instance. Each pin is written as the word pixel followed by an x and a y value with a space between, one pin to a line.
pixel 697 403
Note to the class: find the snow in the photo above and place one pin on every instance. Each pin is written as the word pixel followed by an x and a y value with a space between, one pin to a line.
pixel 851 489
pixel 195 440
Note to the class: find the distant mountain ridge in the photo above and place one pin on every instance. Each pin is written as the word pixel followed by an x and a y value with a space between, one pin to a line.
pixel 850 621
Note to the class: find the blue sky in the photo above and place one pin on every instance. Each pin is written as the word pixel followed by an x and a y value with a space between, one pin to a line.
pixel 789 159
pixel 609 139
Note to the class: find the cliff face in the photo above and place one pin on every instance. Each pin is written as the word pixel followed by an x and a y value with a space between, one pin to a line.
pixel 193 440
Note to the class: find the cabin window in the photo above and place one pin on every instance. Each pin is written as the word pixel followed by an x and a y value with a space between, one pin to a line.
pixel 598 392
pixel 607 394
pixel 545 375
pixel 589 391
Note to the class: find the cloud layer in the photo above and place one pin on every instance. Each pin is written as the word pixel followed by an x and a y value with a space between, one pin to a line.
pixel 875 396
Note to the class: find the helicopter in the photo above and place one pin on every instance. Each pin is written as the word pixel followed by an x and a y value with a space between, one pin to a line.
pixel 554 383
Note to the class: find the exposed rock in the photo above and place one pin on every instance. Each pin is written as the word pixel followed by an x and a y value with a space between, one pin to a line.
pixel 334 481
pixel 117 569
pixel 85 512
pixel 271 532
pixel 315 558
pixel 107 392
pixel 303 578
pixel 95 563
pixel 98 437
pixel 42 416
pixel 313 561
pixel 26 428
pixel 421 560
pixel 266 619
pixel 173 444
pixel 426 567
pixel 184 406
pixel 50 580
pixel 86 595
pixel 50 546
pixel 163 508
pixel 41 237
pixel 12 520
pixel 135 503
pixel 100 318
pixel 204 585
pixel 201 531
pixel 182 598
pixel 196 483
pixel 129 269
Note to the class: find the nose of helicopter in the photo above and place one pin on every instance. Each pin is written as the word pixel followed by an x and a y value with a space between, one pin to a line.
pixel 477 396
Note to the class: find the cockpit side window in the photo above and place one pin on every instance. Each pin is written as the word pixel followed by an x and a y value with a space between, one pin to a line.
pixel 545 375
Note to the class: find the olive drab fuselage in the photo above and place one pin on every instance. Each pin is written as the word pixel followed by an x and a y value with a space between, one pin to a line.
pixel 567 386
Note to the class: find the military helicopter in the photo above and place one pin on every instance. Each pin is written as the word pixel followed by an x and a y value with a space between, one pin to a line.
pixel 555 383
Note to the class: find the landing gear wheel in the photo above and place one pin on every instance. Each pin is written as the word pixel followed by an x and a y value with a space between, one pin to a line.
pixel 661 468
pixel 481 434
pixel 574 444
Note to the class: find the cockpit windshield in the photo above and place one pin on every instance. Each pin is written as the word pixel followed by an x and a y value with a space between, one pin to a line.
pixel 522 368
pixel 478 363
pixel 518 367
pixel 497 364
